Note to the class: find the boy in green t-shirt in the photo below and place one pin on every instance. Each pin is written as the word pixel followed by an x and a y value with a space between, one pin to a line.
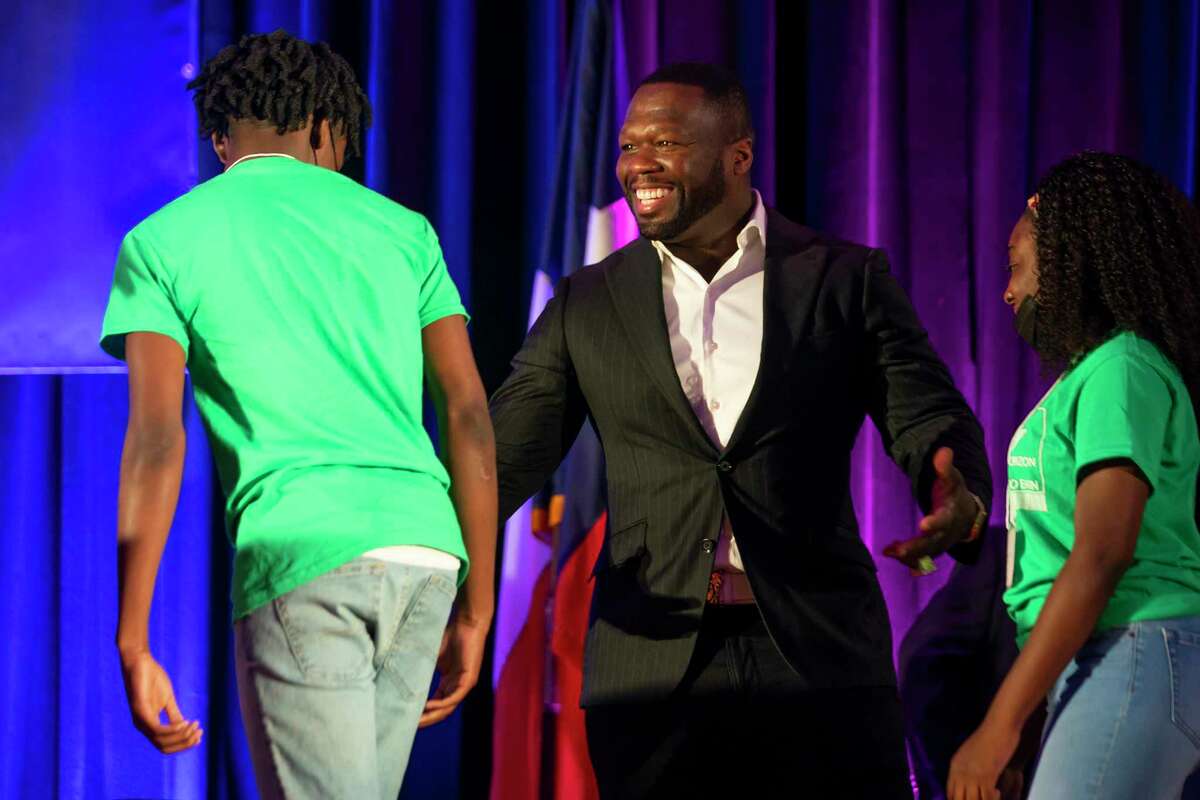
pixel 308 310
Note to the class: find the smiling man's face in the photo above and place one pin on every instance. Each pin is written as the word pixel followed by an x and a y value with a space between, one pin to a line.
pixel 671 165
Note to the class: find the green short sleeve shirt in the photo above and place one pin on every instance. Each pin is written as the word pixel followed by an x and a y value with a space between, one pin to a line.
pixel 298 297
pixel 1124 400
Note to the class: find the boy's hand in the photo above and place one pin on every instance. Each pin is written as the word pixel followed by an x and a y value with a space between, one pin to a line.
pixel 149 691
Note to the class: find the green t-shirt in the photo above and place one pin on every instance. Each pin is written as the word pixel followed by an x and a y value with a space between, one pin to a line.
pixel 1122 400
pixel 299 296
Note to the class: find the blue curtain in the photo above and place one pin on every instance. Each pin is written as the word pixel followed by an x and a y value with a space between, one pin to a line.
pixel 77 81
pixel 431 75
pixel 66 729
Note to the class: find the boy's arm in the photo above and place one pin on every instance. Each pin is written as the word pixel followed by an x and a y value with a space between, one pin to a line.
pixel 469 450
pixel 151 470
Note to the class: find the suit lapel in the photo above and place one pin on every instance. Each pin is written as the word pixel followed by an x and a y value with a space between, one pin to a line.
pixel 780 311
pixel 635 283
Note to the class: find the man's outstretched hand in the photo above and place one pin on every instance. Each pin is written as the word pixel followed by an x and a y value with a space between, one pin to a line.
pixel 948 523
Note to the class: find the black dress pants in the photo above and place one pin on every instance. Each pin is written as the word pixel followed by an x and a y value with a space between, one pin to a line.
pixel 739 726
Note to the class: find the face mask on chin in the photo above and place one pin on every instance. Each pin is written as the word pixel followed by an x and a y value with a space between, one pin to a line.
pixel 1026 321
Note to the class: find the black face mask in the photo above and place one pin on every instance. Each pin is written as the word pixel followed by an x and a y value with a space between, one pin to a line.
pixel 1026 321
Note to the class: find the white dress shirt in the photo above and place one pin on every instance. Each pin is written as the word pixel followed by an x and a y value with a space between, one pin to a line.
pixel 716 334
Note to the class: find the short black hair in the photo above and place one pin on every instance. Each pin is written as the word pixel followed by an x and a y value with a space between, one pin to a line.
pixel 277 78
pixel 721 87
pixel 1118 250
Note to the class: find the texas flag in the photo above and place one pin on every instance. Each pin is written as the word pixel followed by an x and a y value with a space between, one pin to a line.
pixel 539 744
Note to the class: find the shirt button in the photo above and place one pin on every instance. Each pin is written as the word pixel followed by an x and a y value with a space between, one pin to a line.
pixel 710 346
pixel 708 545
pixel 691 380
pixel 714 405
pixel 724 466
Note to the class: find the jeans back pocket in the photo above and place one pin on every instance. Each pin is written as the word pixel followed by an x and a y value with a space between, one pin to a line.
pixel 1183 658
pixel 329 623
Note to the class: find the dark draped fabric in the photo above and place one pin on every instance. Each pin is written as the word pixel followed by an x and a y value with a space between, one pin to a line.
pixel 916 126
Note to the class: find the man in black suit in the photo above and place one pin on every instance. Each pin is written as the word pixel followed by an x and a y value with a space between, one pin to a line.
pixel 739 643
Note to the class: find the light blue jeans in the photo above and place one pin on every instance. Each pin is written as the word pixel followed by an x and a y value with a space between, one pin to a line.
pixel 1124 717
pixel 333 675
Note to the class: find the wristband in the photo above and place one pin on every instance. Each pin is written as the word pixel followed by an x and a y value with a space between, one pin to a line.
pixel 981 516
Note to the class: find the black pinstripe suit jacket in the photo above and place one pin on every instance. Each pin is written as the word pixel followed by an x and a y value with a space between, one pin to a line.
pixel 840 342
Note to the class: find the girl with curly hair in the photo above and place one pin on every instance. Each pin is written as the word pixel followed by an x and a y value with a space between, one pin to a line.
pixel 1104 552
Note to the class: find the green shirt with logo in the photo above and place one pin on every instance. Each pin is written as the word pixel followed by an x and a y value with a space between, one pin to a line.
pixel 298 297
pixel 1124 400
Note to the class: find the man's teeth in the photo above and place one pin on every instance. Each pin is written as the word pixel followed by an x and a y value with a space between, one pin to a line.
pixel 652 194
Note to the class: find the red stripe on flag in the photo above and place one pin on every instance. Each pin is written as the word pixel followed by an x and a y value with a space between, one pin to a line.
pixel 520 702
pixel 517 721
pixel 573 777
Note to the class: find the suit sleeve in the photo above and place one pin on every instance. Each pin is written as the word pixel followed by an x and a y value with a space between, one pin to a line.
pixel 912 398
pixel 538 411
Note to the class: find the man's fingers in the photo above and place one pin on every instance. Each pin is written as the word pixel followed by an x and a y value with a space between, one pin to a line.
pixel 943 462
pixel 935 528
pixel 912 550
pixel 940 520
pixel 948 480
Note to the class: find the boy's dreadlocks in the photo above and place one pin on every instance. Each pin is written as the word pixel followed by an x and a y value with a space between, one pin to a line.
pixel 280 79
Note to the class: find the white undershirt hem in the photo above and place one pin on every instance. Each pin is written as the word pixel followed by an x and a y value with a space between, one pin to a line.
pixel 415 556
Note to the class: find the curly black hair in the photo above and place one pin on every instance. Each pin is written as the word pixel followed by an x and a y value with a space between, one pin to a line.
pixel 278 78
pixel 1118 249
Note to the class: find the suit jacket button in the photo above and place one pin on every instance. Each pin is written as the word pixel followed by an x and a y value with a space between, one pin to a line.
pixel 724 466
pixel 708 545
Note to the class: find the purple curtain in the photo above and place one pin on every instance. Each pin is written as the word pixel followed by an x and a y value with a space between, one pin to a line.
pixel 928 124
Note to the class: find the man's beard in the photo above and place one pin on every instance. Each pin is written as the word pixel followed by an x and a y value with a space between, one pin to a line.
pixel 692 206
